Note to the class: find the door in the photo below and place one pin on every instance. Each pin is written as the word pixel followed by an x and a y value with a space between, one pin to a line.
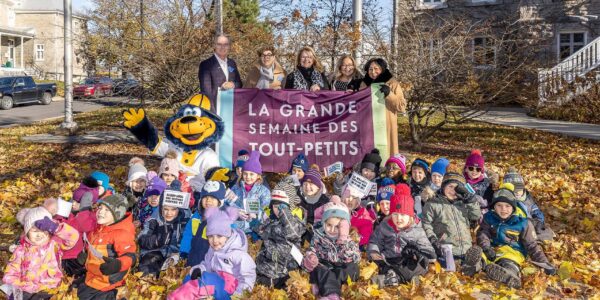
pixel 19 94
pixel 30 89
pixel 11 52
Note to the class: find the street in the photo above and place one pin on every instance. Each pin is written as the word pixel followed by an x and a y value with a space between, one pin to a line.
pixel 29 113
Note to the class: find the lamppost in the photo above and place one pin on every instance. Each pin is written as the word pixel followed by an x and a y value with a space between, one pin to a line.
pixel 68 123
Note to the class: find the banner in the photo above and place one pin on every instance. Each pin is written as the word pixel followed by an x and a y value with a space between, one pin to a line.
pixel 327 126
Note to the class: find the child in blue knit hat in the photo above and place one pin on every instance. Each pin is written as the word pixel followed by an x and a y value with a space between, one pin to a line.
pixel 299 166
pixel 438 170
pixel 384 194
pixel 420 178
pixel 236 175
pixel 104 188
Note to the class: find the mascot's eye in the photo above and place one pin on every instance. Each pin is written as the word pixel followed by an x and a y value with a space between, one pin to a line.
pixel 188 112
pixel 197 111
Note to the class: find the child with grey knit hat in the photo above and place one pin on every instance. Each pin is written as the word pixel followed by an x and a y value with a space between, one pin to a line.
pixel 137 181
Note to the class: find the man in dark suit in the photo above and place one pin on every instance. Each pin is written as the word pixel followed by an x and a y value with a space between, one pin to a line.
pixel 218 71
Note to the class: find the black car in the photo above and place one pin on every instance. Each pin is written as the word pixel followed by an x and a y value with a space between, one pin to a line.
pixel 126 87
pixel 22 89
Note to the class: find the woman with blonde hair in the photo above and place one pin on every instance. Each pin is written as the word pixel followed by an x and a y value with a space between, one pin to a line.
pixel 347 77
pixel 308 75
pixel 267 73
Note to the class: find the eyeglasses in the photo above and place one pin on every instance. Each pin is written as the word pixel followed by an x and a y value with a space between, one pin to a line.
pixel 267 55
pixel 474 169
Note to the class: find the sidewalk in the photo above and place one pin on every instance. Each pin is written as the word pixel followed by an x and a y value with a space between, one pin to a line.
pixel 517 117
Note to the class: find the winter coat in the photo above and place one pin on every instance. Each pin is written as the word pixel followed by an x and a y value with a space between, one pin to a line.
pixel 258 191
pixel 33 268
pixel 530 208
pixel 330 252
pixel 274 260
pixel 84 222
pixel 389 241
pixel 516 231
pixel 163 236
pixel 484 189
pixel 233 258
pixel 116 241
pixel 254 76
pixel 310 208
pixel 362 219
pixel 291 84
pixel 448 222
pixel 394 103
pixel 194 242
pixel 145 211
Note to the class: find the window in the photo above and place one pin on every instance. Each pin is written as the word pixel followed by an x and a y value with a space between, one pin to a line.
pixel 569 43
pixel 424 4
pixel 484 52
pixel 39 52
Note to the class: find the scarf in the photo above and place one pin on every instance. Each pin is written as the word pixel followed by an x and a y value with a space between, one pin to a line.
pixel 302 74
pixel 384 77
pixel 266 77
pixel 313 199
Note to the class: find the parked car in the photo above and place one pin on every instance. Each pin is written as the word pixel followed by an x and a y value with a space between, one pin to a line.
pixel 126 87
pixel 94 87
pixel 22 89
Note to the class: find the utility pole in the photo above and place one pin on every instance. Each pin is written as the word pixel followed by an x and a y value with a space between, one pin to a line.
pixel 219 13
pixel 394 42
pixel 142 91
pixel 357 22
pixel 68 123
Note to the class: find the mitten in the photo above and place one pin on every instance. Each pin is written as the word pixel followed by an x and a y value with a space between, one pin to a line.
pixel 46 224
pixel 310 261
pixel 344 230
pixel 464 194
pixel 110 266
pixel 489 253
pixel 385 89
pixel 82 257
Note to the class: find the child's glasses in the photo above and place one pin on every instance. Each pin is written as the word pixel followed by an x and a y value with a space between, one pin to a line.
pixel 474 169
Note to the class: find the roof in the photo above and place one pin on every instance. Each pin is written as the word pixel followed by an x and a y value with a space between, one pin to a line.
pixel 26 32
pixel 39 5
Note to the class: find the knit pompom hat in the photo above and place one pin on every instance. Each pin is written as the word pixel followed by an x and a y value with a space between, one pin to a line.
pixel 219 220
pixel 169 165
pixel 137 170
pixel 513 177
pixel 28 216
pixel 399 160
pixel 285 192
pixel 386 190
pixel 313 176
pixel 300 162
pixel 453 174
pixel 371 161
pixel 402 202
pixel 475 159
pixel 335 208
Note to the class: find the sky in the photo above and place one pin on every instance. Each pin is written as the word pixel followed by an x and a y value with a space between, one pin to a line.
pixel 81 4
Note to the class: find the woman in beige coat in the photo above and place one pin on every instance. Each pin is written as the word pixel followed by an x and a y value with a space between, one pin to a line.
pixel 377 72
pixel 267 73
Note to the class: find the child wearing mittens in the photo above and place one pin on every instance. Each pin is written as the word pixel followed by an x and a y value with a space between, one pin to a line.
pixel 279 234
pixel 251 194
pixel 110 250
pixel 194 243
pixel 399 245
pixel 332 257
pixel 227 268
pixel 34 267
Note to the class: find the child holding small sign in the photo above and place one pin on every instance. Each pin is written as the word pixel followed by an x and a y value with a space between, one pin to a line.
pixel 111 250
pixel 194 243
pixel 368 168
pixel 252 196
pixel 332 258
pixel 160 239
pixel 280 234
pixel 362 218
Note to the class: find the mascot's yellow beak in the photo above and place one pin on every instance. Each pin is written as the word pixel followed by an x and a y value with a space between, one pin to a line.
pixel 192 128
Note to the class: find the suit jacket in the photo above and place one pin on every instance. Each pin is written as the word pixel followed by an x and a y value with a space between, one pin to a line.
pixel 212 77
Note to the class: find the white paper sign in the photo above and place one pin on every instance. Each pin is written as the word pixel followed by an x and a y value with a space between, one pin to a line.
pixel 252 205
pixel 373 191
pixel 336 167
pixel 361 184
pixel 64 208
pixel 297 255
pixel 176 199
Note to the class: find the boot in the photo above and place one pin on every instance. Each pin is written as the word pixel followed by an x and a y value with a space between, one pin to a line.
pixel 391 278
pixel 505 271
pixel 473 261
